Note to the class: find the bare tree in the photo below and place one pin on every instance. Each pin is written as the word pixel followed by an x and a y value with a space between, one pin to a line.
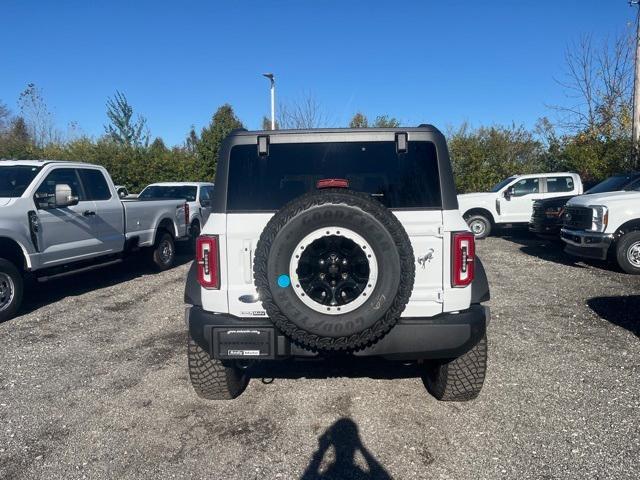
pixel 303 113
pixel 598 84
pixel 5 117
pixel 40 121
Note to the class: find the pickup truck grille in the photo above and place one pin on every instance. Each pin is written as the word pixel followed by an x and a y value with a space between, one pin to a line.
pixel 578 218
pixel 538 211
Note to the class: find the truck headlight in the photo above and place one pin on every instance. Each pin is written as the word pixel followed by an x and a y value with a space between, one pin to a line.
pixel 600 218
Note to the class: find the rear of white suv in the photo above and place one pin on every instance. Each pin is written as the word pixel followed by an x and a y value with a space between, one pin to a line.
pixel 336 242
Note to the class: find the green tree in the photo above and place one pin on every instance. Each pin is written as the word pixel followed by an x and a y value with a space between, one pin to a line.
pixel 158 147
pixel 122 129
pixel 385 121
pixel 16 141
pixel 487 155
pixel 211 137
pixel 191 143
pixel 359 120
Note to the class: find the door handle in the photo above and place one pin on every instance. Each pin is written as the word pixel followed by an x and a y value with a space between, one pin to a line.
pixel 88 213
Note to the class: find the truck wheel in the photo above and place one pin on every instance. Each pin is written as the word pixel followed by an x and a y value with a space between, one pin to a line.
pixel 334 270
pixel 11 290
pixel 628 252
pixel 163 253
pixel 460 379
pixel 211 379
pixel 479 225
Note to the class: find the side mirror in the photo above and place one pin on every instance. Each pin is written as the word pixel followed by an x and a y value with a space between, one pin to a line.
pixel 64 197
pixel 509 192
pixel 122 193
pixel 205 203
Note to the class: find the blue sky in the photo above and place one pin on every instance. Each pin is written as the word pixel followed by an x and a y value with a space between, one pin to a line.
pixel 441 62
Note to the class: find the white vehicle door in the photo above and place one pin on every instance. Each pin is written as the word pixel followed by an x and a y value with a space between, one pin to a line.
pixel 109 214
pixel 516 205
pixel 559 186
pixel 66 234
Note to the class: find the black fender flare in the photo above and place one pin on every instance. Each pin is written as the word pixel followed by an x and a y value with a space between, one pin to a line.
pixel 480 285
pixel 192 291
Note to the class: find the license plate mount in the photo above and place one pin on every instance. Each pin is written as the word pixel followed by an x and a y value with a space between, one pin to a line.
pixel 244 343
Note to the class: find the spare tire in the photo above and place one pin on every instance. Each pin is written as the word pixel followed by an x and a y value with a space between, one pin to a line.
pixel 334 270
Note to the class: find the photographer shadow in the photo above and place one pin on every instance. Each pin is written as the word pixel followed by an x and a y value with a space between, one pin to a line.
pixel 344 437
pixel 620 310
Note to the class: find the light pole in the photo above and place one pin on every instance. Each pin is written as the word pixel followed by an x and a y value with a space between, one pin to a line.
pixel 273 99
pixel 636 88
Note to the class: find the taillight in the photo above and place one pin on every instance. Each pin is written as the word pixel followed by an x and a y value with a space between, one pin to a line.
pixel 186 214
pixel 332 183
pixel 208 261
pixel 462 259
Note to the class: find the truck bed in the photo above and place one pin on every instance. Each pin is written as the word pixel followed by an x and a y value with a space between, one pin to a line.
pixel 142 217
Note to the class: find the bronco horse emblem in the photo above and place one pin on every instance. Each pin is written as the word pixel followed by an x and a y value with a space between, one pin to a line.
pixel 426 258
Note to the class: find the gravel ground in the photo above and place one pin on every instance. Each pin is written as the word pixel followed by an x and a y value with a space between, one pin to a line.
pixel 94 384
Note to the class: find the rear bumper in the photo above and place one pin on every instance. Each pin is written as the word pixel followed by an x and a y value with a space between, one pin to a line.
pixel 581 243
pixel 448 335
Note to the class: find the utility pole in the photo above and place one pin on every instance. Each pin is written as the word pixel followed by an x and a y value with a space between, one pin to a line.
pixel 273 98
pixel 636 88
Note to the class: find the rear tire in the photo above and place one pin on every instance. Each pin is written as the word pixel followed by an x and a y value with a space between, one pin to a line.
pixel 479 225
pixel 163 254
pixel 461 379
pixel 211 379
pixel 11 290
pixel 628 253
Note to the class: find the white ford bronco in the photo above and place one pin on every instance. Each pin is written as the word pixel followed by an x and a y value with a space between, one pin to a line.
pixel 336 243
pixel 605 225
pixel 510 202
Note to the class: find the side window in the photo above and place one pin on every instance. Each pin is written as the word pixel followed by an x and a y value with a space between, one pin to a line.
pixel 45 196
pixel 526 186
pixel 559 184
pixel 204 194
pixel 635 186
pixel 95 184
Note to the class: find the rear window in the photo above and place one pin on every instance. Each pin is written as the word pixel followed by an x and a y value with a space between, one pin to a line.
pixel 612 184
pixel 559 184
pixel 176 192
pixel 95 185
pixel 397 180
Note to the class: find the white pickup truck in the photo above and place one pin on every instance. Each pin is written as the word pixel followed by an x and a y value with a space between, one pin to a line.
pixel 605 224
pixel 511 201
pixel 197 194
pixel 62 217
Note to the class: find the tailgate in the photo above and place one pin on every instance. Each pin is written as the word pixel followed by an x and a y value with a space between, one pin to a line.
pixel 423 228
